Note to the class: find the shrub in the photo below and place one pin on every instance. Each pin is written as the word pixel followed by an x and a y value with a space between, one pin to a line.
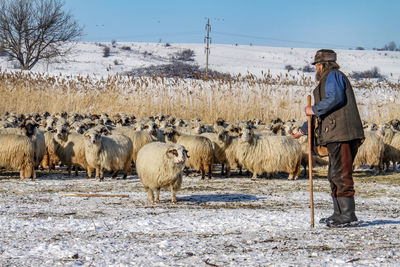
pixel 372 74
pixel 176 69
pixel 106 51
pixel 184 55
pixel 289 67
pixel 360 48
pixel 308 68
pixel 126 48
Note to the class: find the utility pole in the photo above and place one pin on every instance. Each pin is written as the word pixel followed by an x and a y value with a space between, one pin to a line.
pixel 207 40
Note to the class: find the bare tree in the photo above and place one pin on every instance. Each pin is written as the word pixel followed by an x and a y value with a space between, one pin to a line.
pixel 31 30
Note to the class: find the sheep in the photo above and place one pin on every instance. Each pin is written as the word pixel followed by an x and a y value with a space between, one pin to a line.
pixel 270 154
pixel 50 158
pixel 160 165
pixel 112 153
pixel 232 160
pixel 391 140
pixel 17 153
pixel 219 141
pixel 316 160
pixel 200 150
pixel 70 149
pixel 138 138
pixel 29 128
pixel 371 151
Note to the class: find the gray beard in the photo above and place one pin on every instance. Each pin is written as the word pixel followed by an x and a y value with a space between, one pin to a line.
pixel 318 76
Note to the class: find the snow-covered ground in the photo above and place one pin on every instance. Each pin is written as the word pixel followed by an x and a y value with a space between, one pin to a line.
pixel 87 58
pixel 222 222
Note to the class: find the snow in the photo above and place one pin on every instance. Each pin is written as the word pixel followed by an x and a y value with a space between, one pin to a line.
pixel 224 222
pixel 87 59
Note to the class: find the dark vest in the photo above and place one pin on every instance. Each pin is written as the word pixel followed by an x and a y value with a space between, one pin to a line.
pixel 343 124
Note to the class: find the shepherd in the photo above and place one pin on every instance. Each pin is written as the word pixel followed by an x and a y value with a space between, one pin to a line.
pixel 339 130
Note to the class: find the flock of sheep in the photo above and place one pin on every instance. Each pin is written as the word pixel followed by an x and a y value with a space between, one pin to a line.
pixel 161 147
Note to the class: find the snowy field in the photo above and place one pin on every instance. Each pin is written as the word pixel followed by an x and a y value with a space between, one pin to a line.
pixel 222 222
pixel 87 59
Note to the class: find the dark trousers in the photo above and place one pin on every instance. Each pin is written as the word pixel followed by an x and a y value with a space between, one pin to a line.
pixel 340 171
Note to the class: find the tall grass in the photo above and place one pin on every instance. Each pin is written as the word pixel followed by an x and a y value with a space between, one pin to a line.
pixel 241 97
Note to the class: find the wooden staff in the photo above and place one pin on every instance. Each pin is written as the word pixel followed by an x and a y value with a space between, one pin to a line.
pixel 309 118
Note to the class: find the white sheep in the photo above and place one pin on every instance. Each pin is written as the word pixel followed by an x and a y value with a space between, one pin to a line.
pixel 17 153
pixel 200 150
pixel 160 165
pixel 371 151
pixel 112 153
pixel 138 138
pixel 70 149
pixel 270 154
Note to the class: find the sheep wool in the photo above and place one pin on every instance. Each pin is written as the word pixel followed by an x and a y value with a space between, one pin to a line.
pixel 270 154
pixel 112 153
pixel 200 150
pixel 70 149
pixel 17 153
pixel 371 151
pixel 160 165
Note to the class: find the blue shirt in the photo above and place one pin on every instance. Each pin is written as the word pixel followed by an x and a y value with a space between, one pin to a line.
pixel 335 98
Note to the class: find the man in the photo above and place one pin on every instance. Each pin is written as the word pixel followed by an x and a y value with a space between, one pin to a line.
pixel 339 128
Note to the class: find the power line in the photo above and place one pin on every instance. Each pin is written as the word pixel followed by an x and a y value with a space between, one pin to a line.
pixel 279 40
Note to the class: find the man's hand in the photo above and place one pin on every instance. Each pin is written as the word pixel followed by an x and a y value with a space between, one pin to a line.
pixel 296 135
pixel 308 111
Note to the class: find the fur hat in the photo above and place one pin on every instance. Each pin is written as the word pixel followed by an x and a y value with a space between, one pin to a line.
pixel 324 55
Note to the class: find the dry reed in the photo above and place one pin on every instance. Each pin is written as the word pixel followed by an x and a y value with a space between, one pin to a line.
pixel 241 97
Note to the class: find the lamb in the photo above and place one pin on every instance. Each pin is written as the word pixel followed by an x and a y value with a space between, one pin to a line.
pixel 17 153
pixel 112 153
pixel 270 154
pixel 371 152
pixel 200 150
pixel 70 149
pixel 160 165
pixel 391 140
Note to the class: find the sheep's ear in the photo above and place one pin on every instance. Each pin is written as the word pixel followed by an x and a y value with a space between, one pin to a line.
pixel 186 153
pixel 173 152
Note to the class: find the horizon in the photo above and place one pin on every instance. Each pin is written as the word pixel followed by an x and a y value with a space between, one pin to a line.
pixel 300 24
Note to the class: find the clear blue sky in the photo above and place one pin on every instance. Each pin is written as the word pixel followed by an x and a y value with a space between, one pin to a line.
pixel 288 23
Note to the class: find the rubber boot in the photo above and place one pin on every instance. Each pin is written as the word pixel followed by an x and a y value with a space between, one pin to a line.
pixel 336 212
pixel 348 216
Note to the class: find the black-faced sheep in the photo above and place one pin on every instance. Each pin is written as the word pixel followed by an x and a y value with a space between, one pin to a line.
pixel 17 153
pixel 160 165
